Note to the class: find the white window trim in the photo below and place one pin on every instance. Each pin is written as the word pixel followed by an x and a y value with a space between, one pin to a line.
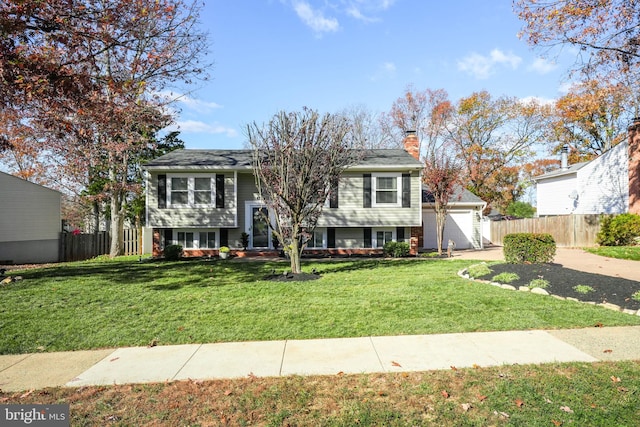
pixel 374 235
pixel 374 193
pixel 248 217
pixel 191 191
pixel 196 237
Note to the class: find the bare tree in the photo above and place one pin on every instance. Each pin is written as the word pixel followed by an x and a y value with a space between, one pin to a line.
pixel 298 159
pixel 367 130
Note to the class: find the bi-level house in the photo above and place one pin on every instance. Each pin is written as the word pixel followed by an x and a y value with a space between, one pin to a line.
pixel 205 199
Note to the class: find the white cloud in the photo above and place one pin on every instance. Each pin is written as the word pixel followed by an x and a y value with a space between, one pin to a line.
pixel 195 126
pixel 537 100
pixel 314 18
pixel 542 66
pixel 197 105
pixel 484 66
pixel 363 10
pixel 386 70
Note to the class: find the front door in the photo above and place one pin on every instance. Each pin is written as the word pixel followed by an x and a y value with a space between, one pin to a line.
pixel 259 227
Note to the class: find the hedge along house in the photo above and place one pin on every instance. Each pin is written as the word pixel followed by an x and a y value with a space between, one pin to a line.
pixel 205 199
pixel 30 222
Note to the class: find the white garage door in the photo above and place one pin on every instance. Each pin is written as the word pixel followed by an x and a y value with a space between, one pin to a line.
pixel 458 227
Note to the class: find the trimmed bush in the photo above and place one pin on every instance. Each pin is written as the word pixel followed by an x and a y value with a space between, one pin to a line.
pixel 619 230
pixel 173 252
pixel 396 249
pixel 521 248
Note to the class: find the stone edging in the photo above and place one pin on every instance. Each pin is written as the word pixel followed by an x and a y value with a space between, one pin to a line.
pixel 539 291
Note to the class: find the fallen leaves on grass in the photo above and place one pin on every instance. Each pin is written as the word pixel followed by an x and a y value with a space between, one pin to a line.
pixel 445 394
pixel 519 403
pixel 566 409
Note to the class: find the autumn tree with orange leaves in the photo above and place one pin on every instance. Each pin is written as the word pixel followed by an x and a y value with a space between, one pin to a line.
pixel 606 32
pixel 591 118
pixel 83 78
pixel 494 137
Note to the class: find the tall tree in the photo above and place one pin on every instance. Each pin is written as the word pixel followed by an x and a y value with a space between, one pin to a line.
pixel 367 132
pixel 591 118
pixel 491 134
pixel 298 159
pixel 442 176
pixel 84 75
pixel 608 31
pixel 423 111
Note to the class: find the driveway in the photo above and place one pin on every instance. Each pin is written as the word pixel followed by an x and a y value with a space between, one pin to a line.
pixel 574 258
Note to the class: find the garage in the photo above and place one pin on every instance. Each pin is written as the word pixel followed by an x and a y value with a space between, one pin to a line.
pixel 458 227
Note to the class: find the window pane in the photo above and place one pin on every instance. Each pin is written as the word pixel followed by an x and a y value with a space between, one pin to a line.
pixel 202 184
pixel 202 197
pixel 179 184
pixel 388 236
pixel 379 239
pixel 211 239
pixel 386 183
pixel 181 238
pixel 386 197
pixel 189 240
pixel 202 240
pixel 179 198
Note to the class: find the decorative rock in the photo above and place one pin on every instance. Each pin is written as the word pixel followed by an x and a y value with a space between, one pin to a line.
pixel 495 284
pixel 509 287
pixel 524 289
pixel 539 291
pixel 573 299
pixel 610 306
pixel 628 311
pixel 558 297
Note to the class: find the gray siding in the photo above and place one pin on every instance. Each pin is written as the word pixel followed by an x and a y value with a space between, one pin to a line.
pixel 28 211
pixel 351 213
pixel 192 217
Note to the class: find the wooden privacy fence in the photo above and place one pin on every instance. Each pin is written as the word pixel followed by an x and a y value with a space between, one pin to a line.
pixel 567 230
pixel 78 247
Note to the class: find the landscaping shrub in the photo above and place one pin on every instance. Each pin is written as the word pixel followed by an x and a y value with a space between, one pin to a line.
pixel 619 230
pixel 173 252
pixel 520 248
pixel 396 249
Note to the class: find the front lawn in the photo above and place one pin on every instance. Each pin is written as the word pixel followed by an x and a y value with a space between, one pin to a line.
pixel 622 252
pixel 124 302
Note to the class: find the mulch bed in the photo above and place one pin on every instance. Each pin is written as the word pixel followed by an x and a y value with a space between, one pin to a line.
pixel 614 290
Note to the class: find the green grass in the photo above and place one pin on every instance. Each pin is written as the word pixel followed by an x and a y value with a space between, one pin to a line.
pixel 583 289
pixel 124 302
pixel 568 394
pixel 622 252
pixel 505 277
pixel 539 283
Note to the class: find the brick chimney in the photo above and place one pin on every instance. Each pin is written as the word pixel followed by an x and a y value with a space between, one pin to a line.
pixel 634 166
pixel 412 144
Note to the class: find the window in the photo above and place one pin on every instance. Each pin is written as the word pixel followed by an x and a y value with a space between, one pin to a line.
pixel 179 191
pixel 207 240
pixel 195 239
pixel 317 239
pixel 386 189
pixel 191 191
pixel 383 236
pixel 185 239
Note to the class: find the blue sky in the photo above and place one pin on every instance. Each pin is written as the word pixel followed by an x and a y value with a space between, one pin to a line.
pixel 272 55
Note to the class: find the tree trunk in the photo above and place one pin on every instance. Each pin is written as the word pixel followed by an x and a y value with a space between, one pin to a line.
pixel 117 226
pixel 441 218
pixel 294 256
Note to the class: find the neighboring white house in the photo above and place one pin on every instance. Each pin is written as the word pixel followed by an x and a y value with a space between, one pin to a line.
pixel 600 186
pixel 463 224
pixel 30 221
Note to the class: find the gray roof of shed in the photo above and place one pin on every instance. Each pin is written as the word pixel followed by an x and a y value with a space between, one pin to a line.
pixel 460 196
pixel 242 159
pixel 571 169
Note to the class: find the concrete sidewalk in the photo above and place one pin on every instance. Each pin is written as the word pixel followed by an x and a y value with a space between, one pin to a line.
pixel 316 357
